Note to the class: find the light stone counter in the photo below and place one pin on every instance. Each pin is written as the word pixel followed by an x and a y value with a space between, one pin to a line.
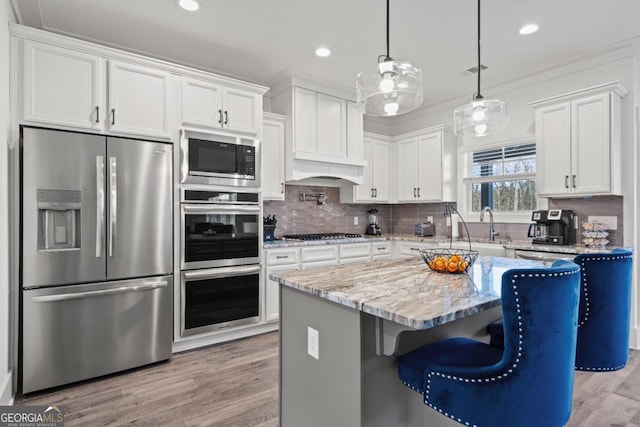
pixel 341 329
pixel 405 291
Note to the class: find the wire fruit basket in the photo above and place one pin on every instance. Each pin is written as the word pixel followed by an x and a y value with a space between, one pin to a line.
pixel 450 260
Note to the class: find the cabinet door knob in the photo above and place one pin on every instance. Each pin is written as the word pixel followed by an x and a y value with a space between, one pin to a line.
pixel 97 114
pixel 282 187
pixel 414 192
pixel 226 117
pixel 574 181
pixel 375 192
pixel 220 117
pixel 113 116
pixel 566 181
pixel 372 193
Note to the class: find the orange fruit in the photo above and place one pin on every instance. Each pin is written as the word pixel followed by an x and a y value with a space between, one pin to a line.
pixel 452 266
pixel 431 264
pixel 463 266
pixel 455 258
pixel 440 263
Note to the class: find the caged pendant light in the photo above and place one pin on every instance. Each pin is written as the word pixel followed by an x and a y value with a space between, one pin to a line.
pixel 481 116
pixel 394 88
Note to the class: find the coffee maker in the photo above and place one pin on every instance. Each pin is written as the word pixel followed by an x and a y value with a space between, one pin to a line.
pixel 373 229
pixel 553 227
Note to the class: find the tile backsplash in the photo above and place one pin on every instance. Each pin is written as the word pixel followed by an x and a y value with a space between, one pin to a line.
pixel 297 216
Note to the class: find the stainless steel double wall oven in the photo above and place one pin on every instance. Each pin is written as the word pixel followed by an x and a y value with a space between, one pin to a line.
pixel 220 233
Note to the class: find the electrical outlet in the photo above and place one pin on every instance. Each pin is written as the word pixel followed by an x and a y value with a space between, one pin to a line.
pixel 355 220
pixel 430 219
pixel 313 344
pixel 611 221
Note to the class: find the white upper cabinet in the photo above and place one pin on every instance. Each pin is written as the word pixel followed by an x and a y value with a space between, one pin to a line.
pixel 62 86
pixel 426 166
pixel 324 132
pixel 209 105
pixel 578 142
pixel 139 100
pixel 66 87
pixel 64 82
pixel 376 178
pixel 273 141
pixel 326 128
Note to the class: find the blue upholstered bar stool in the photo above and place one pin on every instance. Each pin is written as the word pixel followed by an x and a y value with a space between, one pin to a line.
pixel 530 381
pixel 605 309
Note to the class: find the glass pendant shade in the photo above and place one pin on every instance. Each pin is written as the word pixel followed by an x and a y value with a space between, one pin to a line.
pixel 394 88
pixel 480 117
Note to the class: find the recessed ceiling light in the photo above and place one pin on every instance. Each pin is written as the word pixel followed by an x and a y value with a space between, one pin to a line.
pixel 190 5
pixel 323 52
pixel 528 29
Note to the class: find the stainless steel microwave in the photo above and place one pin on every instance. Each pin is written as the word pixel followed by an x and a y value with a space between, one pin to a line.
pixel 219 159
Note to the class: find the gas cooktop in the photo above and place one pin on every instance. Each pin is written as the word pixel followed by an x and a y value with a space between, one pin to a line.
pixel 323 236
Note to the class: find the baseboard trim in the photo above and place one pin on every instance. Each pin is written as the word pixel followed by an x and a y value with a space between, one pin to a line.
pixel 634 338
pixel 6 389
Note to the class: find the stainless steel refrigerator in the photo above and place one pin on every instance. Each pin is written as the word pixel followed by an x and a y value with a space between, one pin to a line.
pixel 96 255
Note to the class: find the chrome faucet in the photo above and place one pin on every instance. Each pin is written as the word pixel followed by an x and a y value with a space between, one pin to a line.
pixel 492 232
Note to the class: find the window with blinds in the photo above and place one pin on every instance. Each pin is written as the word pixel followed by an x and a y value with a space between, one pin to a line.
pixel 503 178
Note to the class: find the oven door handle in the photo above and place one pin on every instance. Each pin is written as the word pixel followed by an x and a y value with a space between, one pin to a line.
pixel 221 272
pixel 213 209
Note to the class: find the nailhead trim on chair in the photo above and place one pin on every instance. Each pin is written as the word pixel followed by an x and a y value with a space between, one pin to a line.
pixel 586 295
pixel 499 377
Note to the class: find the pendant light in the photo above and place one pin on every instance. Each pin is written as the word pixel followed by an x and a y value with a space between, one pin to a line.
pixel 481 116
pixel 394 88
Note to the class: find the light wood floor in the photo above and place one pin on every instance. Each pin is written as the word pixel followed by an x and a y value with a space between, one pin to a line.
pixel 236 384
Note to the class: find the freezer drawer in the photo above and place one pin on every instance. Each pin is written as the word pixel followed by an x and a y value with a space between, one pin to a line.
pixel 72 333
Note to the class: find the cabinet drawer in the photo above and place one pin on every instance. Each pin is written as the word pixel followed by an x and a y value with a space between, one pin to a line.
pixel 352 250
pixel 409 248
pixel 283 256
pixel 319 253
pixel 354 260
pixel 380 248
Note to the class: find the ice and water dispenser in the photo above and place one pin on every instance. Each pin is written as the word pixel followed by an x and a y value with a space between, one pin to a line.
pixel 59 219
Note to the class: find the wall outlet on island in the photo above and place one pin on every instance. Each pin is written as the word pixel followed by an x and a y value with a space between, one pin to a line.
pixel 610 221
pixel 355 220
pixel 313 344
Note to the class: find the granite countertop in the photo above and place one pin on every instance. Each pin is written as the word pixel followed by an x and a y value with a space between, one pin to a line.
pixel 520 245
pixel 406 291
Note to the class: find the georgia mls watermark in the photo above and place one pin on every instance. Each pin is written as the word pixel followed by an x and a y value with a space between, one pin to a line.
pixel 31 416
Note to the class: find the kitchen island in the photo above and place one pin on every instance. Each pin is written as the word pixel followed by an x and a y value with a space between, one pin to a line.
pixel 342 327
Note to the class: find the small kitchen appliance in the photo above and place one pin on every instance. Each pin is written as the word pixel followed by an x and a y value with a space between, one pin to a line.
pixel 424 230
pixel 373 229
pixel 553 227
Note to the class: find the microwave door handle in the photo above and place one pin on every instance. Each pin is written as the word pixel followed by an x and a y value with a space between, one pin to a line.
pixel 99 205
pixel 113 201
pixel 195 209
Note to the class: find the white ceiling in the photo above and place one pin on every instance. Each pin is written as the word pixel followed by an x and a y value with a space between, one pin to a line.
pixel 256 40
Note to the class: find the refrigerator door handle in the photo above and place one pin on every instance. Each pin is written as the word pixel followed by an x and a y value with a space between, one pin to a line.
pixel 99 205
pixel 113 200
pixel 77 295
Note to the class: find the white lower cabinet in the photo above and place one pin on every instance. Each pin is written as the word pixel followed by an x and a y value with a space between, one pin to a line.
pixel 355 252
pixel 277 260
pixel 316 256
pixel 410 249
pixel 381 251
